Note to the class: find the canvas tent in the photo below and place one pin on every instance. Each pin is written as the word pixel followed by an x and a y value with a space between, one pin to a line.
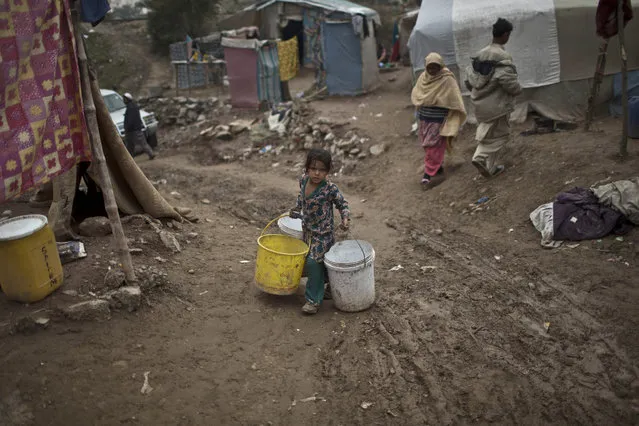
pixel 336 37
pixel 253 71
pixel 554 45
pixel 405 24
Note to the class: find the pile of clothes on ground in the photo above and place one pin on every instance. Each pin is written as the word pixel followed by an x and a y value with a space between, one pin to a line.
pixel 588 213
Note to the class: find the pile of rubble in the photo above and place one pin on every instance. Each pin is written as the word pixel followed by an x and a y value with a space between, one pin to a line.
pixel 291 128
pixel 288 127
pixel 298 131
pixel 182 111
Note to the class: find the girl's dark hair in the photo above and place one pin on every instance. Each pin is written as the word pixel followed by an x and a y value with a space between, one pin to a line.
pixel 502 27
pixel 321 155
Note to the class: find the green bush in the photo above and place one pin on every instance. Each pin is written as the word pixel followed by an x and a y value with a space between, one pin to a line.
pixel 169 21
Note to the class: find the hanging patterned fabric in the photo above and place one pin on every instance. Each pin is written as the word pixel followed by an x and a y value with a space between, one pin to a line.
pixel 288 54
pixel 312 20
pixel 43 131
pixel 268 75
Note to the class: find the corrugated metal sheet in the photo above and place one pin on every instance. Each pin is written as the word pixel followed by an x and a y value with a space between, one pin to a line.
pixel 343 6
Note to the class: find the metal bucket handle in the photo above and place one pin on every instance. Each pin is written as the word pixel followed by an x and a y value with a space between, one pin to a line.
pixel 349 235
pixel 272 222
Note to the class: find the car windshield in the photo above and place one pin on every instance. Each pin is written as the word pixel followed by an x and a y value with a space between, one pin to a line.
pixel 114 102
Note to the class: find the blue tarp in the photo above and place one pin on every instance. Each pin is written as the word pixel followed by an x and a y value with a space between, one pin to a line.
pixel 342 59
pixel 633 90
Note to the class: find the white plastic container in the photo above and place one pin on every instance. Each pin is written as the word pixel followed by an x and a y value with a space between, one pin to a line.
pixel 291 227
pixel 351 272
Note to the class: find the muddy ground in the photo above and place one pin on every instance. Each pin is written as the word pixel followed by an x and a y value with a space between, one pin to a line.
pixel 458 335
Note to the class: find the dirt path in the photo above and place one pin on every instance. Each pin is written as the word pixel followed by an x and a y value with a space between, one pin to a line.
pixel 479 325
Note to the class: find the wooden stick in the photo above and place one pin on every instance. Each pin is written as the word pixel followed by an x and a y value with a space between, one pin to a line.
pixel 596 82
pixel 188 76
pixel 121 245
pixel 623 144
pixel 177 80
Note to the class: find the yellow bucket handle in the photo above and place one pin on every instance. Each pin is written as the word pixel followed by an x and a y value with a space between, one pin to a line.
pixel 272 222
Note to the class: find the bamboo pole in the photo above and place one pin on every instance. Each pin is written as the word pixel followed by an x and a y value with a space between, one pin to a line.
pixel 121 245
pixel 623 143
pixel 188 76
pixel 177 80
pixel 596 82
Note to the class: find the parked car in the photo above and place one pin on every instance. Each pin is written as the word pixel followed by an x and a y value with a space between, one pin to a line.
pixel 116 106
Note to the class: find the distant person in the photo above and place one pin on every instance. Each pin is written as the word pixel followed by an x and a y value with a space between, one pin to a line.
pixel 492 81
pixel 134 138
pixel 441 112
pixel 382 57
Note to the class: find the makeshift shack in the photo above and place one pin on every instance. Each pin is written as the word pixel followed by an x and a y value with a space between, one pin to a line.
pixel 193 70
pixel 404 27
pixel 336 37
pixel 253 72
pixel 554 46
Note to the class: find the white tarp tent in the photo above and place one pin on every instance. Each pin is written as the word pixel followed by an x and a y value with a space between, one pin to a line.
pixel 554 46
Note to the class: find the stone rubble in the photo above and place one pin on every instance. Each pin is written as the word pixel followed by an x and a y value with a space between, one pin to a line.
pixel 91 310
pixel 297 131
pixel 182 111
pixel 128 298
pixel 95 227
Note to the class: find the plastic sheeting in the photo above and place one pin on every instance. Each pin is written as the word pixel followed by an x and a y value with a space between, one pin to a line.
pixel 342 59
pixel 578 48
pixel 329 5
pixel 578 43
pixel 241 43
pixel 406 24
pixel 241 66
pixel 565 101
pixel 533 43
pixel 370 68
pixel 433 32
pixel 633 90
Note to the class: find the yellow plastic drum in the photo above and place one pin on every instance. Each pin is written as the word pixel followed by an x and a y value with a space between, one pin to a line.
pixel 30 267
pixel 280 263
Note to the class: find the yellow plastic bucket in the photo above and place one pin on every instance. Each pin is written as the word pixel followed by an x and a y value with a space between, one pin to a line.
pixel 280 262
pixel 30 267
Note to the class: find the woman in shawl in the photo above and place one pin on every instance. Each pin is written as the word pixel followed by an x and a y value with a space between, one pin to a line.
pixel 441 113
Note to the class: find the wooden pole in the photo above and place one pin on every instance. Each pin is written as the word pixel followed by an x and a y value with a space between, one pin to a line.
pixel 121 245
pixel 188 76
pixel 623 144
pixel 596 82
pixel 177 80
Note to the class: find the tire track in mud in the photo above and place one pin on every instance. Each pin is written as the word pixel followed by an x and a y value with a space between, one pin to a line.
pixel 467 342
pixel 456 336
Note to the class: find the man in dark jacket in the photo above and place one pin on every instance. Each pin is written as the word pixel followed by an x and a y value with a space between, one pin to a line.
pixel 134 138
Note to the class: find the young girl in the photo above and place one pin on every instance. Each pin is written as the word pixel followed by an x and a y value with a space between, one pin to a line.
pixel 315 207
